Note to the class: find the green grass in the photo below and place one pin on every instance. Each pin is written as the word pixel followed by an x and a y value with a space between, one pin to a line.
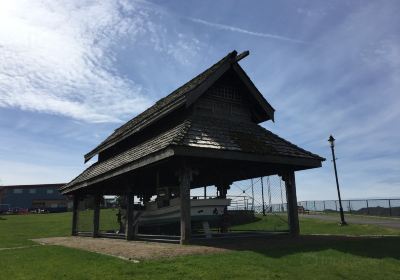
pixel 306 258
pixel 314 226
pixel 266 223
pixel 16 230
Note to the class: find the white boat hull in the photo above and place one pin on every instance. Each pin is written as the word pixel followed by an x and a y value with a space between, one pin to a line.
pixel 200 210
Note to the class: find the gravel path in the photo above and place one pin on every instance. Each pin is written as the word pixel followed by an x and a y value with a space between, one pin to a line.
pixel 353 219
pixel 133 250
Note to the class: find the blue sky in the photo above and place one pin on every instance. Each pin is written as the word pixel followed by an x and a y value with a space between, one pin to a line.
pixel 72 71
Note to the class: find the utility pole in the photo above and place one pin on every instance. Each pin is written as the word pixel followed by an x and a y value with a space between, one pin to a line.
pixel 331 140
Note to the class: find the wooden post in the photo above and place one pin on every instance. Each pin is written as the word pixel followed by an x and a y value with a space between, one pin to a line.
pixel 223 191
pixel 96 215
pixel 290 184
pixel 184 195
pixel 129 230
pixel 75 215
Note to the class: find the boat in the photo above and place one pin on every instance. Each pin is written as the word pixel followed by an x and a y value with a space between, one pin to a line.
pixel 201 210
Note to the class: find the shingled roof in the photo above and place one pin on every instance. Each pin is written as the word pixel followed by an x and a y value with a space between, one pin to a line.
pixel 194 132
pixel 179 97
pixel 240 139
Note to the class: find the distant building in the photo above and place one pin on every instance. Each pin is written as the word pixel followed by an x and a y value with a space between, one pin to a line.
pixel 43 196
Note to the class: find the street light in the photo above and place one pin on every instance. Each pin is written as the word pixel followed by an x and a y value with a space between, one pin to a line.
pixel 331 140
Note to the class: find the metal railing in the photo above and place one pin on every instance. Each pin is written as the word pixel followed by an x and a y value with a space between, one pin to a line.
pixel 374 207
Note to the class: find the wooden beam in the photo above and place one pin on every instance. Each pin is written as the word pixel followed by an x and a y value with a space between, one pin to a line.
pixel 185 175
pixel 96 215
pixel 75 215
pixel 129 230
pixel 223 190
pixel 299 163
pixel 290 183
pixel 242 55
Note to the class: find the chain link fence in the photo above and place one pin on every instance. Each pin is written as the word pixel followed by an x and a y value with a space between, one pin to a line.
pixel 264 197
pixel 373 207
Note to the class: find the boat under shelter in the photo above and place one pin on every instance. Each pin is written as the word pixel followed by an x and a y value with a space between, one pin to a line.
pixel 206 132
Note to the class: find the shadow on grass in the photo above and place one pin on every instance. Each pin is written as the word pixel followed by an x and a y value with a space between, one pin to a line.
pixel 279 246
pixel 1 218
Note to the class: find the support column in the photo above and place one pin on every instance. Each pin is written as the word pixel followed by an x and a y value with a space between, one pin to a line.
pixel 185 177
pixel 290 183
pixel 75 203
pixel 223 190
pixel 96 215
pixel 129 230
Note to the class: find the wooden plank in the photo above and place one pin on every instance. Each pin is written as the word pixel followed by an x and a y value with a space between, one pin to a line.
pixel 242 55
pixel 75 215
pixel 184 188
pixel 130 230
pixel 96 215
pixel 293 215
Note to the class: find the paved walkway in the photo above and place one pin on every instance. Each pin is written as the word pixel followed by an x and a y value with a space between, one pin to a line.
pixel 353 219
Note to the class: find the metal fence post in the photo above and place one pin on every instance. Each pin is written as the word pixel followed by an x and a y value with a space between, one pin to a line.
pixel 367 207
pixel 324 206
pixel 349 206
pixel 390 208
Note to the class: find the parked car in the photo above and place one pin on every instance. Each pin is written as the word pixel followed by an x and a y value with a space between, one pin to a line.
pixel 17 210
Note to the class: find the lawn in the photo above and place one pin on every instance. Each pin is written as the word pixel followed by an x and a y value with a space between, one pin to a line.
pixel 305 258
pixel 314 226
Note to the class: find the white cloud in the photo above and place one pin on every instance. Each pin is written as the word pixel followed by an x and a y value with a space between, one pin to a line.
pixel 244 31
pixel 59 56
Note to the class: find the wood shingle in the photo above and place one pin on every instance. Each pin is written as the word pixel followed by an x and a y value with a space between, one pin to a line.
pixel 219 110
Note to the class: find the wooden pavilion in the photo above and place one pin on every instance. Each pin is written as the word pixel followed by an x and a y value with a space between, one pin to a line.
pixel 204 133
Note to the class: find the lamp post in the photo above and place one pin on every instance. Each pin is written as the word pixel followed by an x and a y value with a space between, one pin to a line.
pixel 331 140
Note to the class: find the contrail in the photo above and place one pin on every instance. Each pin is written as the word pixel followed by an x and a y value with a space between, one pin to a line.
pixel 244 31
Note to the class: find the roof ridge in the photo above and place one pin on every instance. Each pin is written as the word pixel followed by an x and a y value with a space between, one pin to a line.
pixel 162 104
pixel 179 88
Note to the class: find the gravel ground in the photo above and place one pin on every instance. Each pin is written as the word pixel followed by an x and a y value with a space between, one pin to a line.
pixel 132 250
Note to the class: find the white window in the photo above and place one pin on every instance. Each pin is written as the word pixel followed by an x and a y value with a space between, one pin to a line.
pixel 50 191
pixel 32 191
pixel 18 191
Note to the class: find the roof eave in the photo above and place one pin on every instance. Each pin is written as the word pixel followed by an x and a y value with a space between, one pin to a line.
pixel 299 162
pixel 150 158
pixel 165 111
